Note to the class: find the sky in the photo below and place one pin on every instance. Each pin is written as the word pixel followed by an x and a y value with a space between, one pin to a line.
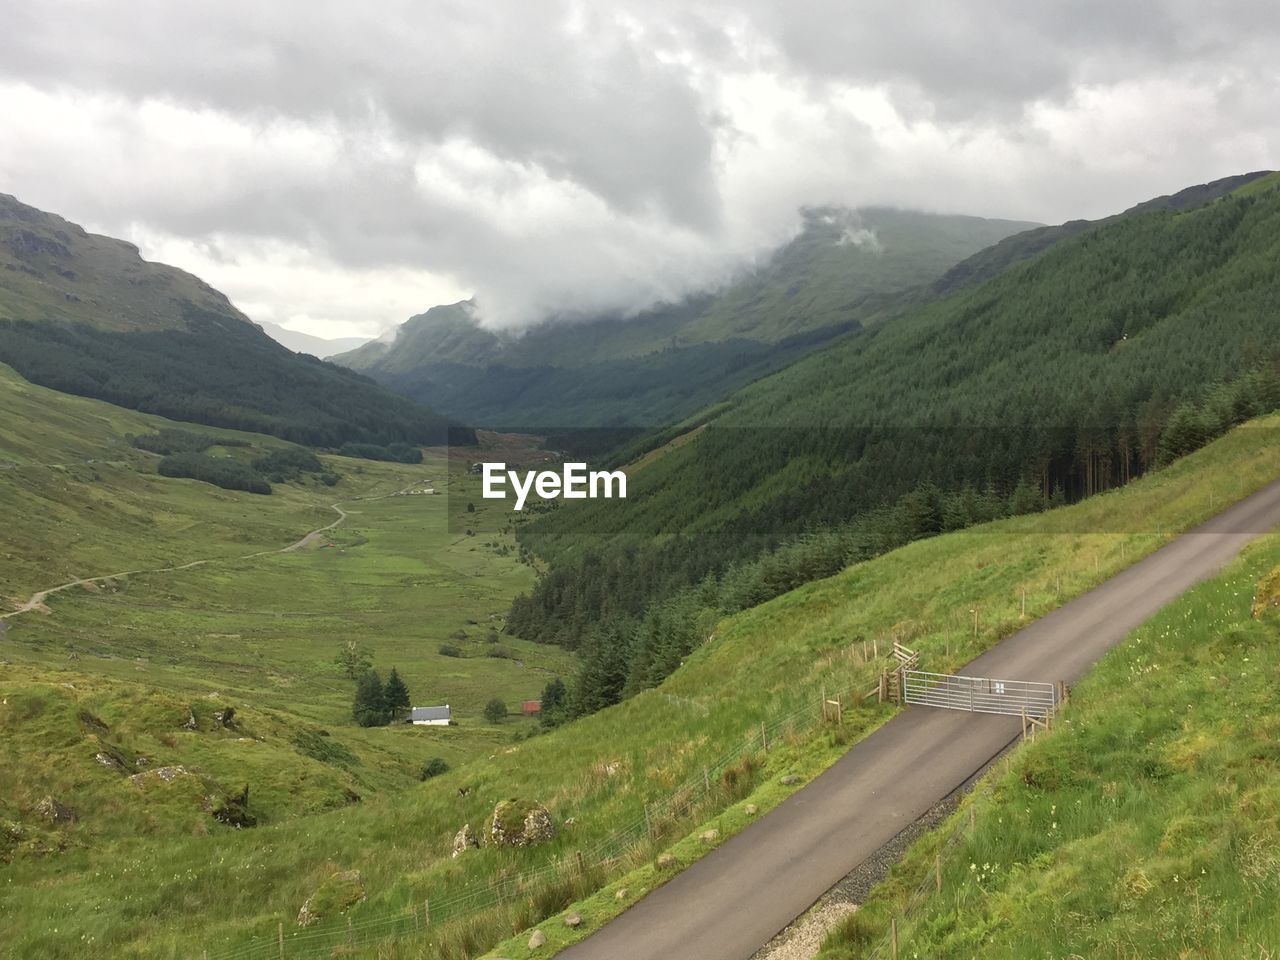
pixel 336 167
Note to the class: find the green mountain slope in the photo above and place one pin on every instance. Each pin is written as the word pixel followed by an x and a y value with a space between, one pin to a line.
pixel 845 270
pixel 230 891
pixel 1021 246
pixel 87 315
pixel 1063 376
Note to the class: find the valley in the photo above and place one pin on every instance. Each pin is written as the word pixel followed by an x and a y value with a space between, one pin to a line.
pixel 198 599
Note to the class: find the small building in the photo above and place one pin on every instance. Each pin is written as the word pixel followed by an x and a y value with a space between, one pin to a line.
pixel 430 716
pixel 531 708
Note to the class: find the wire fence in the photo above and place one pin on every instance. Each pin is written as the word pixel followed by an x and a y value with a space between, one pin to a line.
pixel 612 854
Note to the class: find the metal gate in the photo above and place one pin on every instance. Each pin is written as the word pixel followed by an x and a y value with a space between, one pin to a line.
pixel 979 694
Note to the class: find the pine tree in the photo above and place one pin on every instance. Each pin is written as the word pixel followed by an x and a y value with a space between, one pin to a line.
pixel 554 702
pixel 369 708
pixel 395 696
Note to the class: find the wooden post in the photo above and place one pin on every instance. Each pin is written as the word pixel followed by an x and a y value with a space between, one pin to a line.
pixel 416 924
pixel 1059 588
pixel 1024 603
pixel 764 738
pixel 706 783
pixel 280 937
pixel 648 825
pixel 582 863
pixel 937 873
pixel 1024 723
pixel 893 936
pixel 875 647
pixel 426 913
pixel 975 621
pixel 350 936
pixel 973 816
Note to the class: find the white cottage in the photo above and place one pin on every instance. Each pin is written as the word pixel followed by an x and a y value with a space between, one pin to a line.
pixel 430 716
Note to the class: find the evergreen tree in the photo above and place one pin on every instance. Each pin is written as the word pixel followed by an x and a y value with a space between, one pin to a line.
pixel 370 708
pixel 396 695
pixel 555 699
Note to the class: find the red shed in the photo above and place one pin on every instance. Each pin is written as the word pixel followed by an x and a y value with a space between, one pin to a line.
pixel 531 708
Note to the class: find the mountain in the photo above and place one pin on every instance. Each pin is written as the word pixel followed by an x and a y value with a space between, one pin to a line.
pixel 1070 373
pixel 997 258
pixel 845 270
pixel 85 314
pixel 300 342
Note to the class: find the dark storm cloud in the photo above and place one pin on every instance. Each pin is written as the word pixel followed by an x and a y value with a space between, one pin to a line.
pixel 579 156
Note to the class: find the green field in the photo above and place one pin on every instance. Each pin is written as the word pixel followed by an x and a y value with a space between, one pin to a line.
pixel 144 872
pixel 252 625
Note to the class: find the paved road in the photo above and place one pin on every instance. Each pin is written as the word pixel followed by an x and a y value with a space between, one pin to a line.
pixel 733 900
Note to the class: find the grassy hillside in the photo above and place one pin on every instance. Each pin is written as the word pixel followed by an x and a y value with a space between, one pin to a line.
pixel 221 890
pixel 1146 825
pixel 85 314
pixel 202 599
pixel 1066 375
pixel 846 269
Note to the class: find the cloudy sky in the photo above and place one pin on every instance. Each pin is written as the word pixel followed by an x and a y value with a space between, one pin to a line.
pixel 335 166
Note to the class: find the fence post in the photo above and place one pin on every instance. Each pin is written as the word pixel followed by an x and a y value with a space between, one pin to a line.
pixel 648 825
pixel 280 936
pixel 893 936
pixel 426 913
pixel 582 863
pixel 706 780
pixel 937 873
pixel 764 738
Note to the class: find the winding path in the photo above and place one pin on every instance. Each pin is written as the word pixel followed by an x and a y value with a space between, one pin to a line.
pixel 733 900
pixel 36 600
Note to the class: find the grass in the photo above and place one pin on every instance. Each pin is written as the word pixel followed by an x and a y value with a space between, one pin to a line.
pixel 157 895
pixel 1147 824
pixel 254 629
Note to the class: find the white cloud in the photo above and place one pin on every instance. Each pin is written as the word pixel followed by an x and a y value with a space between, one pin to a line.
pixel 336 173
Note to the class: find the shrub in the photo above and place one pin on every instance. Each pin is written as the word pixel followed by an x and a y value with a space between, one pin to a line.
pixel 434 767
pixel 450 650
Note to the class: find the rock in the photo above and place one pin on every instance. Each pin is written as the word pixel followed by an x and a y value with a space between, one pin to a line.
pixel 537 939
pixel 665 861
pixel 51 809
pixel 710 836
pixel 621 894
pixel 340 891
pixel 789 780
pixel 192 723
pixel 167 774
pixel 464 839
pixel 573 920
pixel 226 717
pixel 518 823
pixel 750 809
pixel 107 760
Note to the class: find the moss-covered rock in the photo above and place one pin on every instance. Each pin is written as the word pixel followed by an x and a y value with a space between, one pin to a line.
pixel 339 892
pixel 518 823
